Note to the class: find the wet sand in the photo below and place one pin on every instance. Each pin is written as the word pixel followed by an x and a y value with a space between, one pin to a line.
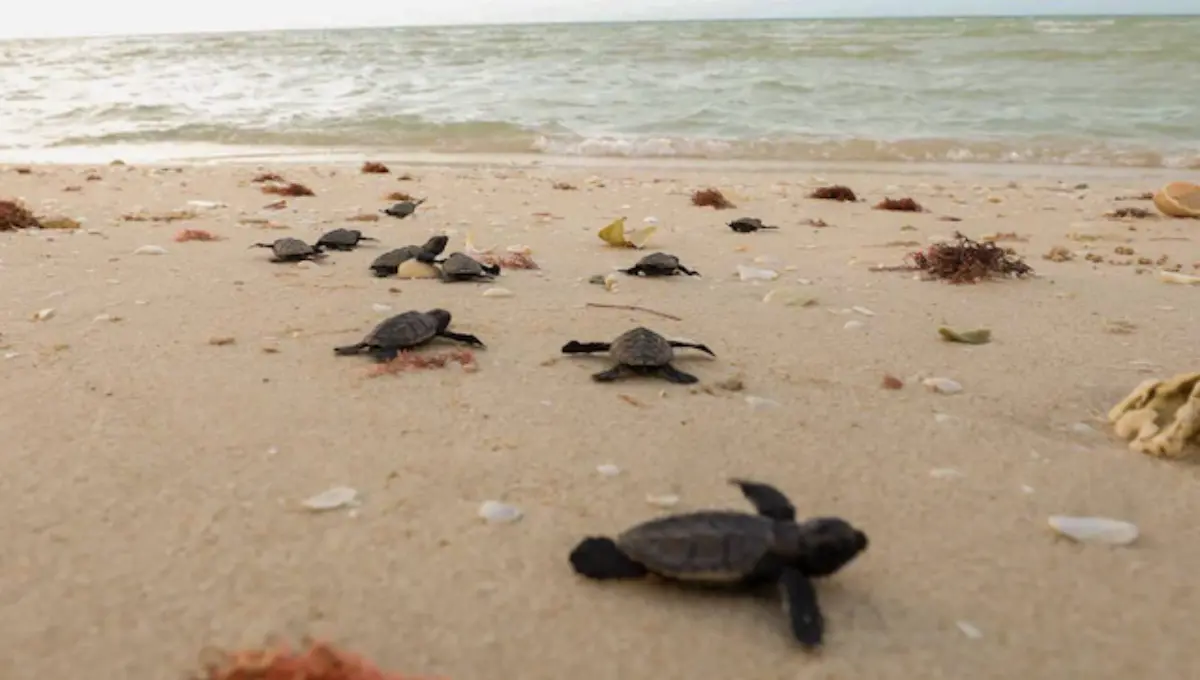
pixel 151 481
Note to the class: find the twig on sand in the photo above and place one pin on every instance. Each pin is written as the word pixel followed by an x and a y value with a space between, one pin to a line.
pixel 635 308
pixel 894 268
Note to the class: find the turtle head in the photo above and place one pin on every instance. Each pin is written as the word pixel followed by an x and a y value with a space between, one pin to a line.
pixel 442 317
pixel 436 244
pixel 826 544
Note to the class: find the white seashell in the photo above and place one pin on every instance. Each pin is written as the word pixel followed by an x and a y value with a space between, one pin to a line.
pixel 663 501
pixel 942 385
pixel 755 274
pixel 381 308
pixel 496 512
pixel 863 310
pixel 1094 529
pixel 969 630
pixel 43 314
pixel 608 470
pixel 207 205
pixel 497 292
pixel 761 403
pixel 1175 277
pixel 150 250
pixel 853 325
pixel 332 499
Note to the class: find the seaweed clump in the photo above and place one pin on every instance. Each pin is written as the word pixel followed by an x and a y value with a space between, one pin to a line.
pixel 316 661
pixel 899 205
pixel 711 198
pixel 288 189
pixel 374 168
pixel 14 215
pixel 964 260
pixel 267 177
pixel 837 192
pixel 399 196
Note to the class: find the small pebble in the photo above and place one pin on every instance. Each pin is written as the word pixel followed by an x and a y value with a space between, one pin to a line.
pixel 497 292
pixel 663 501
pixel 332 499
pixel 1094 529
pixel 942 385
pixel 853 324
pixel 44 314
pixel 756 274
pixel 150 250
pixel 608 470
pixel 496 512
pixel 221 340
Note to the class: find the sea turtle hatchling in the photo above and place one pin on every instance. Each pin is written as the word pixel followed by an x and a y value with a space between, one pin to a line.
pixel 406 331
pixel 342 239
pixel 462 267
pixel 291 250
pixel 388 263
pixel 745 225
pixel 659 264
pixel 403 208
pixel 639 351
pixel 734 549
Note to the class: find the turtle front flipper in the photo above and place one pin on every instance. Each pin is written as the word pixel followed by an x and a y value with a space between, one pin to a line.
pixel 615 373
pixel 350 350
pixel 600 559
pixel 689 272
pixel 800 605
pixel 576 347
pixel 767 500
pixel 693 345
pixel 669 372
pixel 632 271
pixel 464 338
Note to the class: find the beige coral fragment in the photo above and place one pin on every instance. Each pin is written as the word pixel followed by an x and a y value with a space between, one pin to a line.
pixel 1160 417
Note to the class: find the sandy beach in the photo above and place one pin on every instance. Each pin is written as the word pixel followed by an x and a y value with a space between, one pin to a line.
pixel 151 479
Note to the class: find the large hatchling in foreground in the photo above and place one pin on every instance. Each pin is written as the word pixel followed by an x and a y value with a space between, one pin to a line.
pixel 639 351
pixel 406 331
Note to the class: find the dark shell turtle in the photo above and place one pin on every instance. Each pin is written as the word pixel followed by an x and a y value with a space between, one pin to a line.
pixel 745 225
pixel 402 209
pixel 291 250
pixel 734 549
pixel 659 264
pixel 388 263
pixel 405 331
pixel 342 239
pixel 640 351
pixel 462 267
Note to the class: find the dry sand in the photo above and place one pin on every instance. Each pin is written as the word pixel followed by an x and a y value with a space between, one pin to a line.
pixel 151 481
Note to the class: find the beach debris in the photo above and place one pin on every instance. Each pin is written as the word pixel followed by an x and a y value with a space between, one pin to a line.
pixel 891 382
pixel 426 253
pixel 44 314
pixel 290 250
pixel 1178 199
pixel 967 261
pixel 195 235
pixel 406 331
pixel 109 318
pixel 564 186
pixel 967 628
pixel 496 512
pixel 207 205
pixel 1144 196
pixel 942 385
pixel 836 192
pixel 1175 277
pixel 711 198
pixel 746 225
pixel 615 234
pixel 946 473
pixel 1161 417
pixel 853 325
pixel 731 547
pixel 790 297
pixel 514 257
pixel 1059 254
pixel 403 208
pixel 460 267
pixel 633 308
pixel 342 239
pixel 397 196
pixel 517 260
pixel 974 336
pixel 497 293
pixel 999 236
pixel 862 310
pixel 756 273
pixel 416 269
pixel 420 361
pixel 150 250
pixel 363 217
pixel 332 499
pixel 1119 326
pixel 315 660
pixel 168 217
pixel 276 205
pixel 665 500
pixel 608 470
pixel 639 351
pixel 1094 529
pixel 758 404
pixel 221 340
pixel 14 215
pixel 293 189
pixel 23 170
pixel 374 168
pixel 1135 213
pixel 631 400
pixel 734 383
pixel 60 223
pixel 900 205
pixel 658 264
pixel 267 177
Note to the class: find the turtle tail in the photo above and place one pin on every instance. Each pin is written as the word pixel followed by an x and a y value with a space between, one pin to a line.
pixel 599 558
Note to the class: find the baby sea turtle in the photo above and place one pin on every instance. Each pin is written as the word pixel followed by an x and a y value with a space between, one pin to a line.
pixel 745 225
pixel 640 351
pixel 388 263
pixel 659 264
pixel 403 209
pixel 462 267
pixel 342 239
pixel 405 331
pixel 291 250
pixel 734 549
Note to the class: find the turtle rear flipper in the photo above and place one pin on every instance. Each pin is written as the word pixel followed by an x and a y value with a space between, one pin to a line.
pixel 676 376
pixel 800 605
pixel 576 347
pixel 614 373
pixel 493 269
pixel 767 500
pixel 466 338
pixel 693 345
pixel 600 559
pixel 689 272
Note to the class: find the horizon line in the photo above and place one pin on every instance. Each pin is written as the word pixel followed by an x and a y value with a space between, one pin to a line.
pixel 597 22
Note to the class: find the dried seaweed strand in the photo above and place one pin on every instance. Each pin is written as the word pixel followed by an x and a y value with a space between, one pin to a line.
pixel 635 308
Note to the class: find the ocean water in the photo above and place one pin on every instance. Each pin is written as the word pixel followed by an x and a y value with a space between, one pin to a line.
pixel 1089 91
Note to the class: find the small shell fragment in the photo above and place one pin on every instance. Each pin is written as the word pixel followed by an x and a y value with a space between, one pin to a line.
pixel 756 274
pixel 969 630
pixel 975 336
pixel 663 501
pixel 150 250
pixel 332 499
pixel 1175 277
pixel 497 292
pixel 761 403
pixel 1094 529
pixel 43 314
pixel 608 470
pixel 496 512
pixel 942 385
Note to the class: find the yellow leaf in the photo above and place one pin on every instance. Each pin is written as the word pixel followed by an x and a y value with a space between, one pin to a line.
pixel 615 235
